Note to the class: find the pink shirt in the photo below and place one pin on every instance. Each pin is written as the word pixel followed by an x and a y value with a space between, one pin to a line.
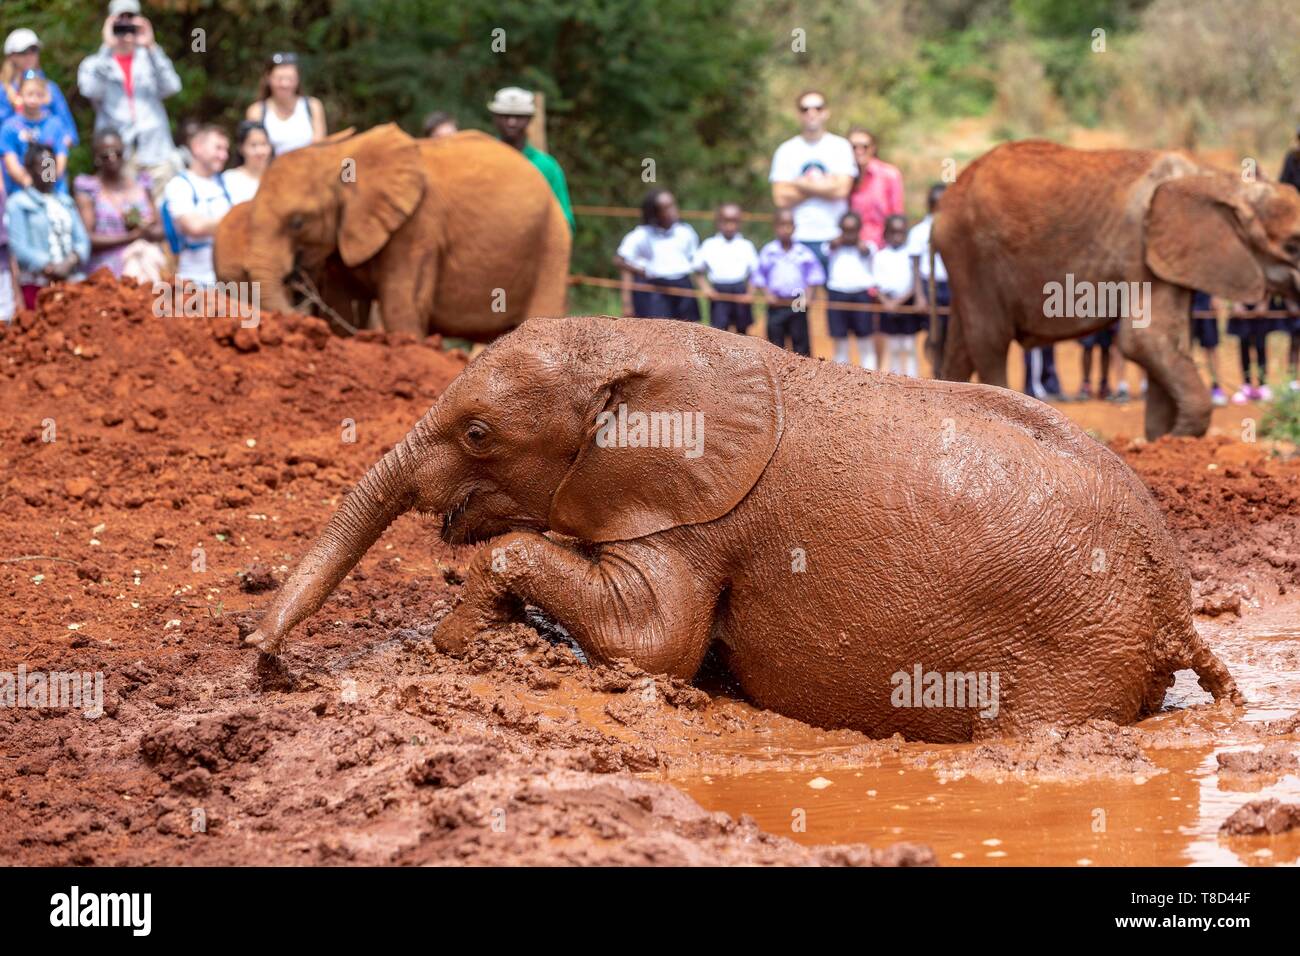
pixel 877 196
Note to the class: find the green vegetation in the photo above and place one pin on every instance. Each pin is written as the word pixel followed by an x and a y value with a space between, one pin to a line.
pixel 1282 420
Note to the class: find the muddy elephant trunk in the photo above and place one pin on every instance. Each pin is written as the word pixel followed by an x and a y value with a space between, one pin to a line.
pixel 387 490
pixel 269 269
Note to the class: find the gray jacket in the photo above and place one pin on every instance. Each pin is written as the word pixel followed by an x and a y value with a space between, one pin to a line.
pixel 141 120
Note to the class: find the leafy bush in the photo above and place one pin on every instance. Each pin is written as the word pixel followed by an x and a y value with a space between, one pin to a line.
pixel 1282 420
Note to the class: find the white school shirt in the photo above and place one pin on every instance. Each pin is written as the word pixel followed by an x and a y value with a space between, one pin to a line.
pixel 725 260
pixel 815 219
pixel 892 269
pixel 196 264
pixel 662 253
pixel 918 244
pixel 848 269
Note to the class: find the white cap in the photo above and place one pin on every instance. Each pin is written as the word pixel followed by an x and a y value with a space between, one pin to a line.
pixel 119 7
pixel 513 101
pixel 20 40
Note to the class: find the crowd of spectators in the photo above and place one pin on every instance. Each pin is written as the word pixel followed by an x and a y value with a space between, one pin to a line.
pixel 842 238
pixel 150 208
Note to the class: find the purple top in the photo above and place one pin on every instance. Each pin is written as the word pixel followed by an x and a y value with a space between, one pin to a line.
pixel 787 272
pixel 110 217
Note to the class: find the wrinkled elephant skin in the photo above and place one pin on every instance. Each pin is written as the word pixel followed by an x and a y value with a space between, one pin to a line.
pixel 837 533
pixel 1131 234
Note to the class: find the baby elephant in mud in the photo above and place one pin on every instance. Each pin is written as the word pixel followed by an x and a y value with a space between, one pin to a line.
pixel 946 561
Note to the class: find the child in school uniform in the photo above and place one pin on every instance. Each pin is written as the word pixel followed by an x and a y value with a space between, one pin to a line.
pixel 1292 328
pixel 789 273
pixel 1102 339
pixel 1205 333
pixel 918 246
pixel 849 280
pixel 726 261
pixel 891 266
pixel 1252 335
pixel 659 252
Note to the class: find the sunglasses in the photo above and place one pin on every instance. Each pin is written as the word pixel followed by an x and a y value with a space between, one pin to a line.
pixel 32 75
pixel 284 59
pixel 811 107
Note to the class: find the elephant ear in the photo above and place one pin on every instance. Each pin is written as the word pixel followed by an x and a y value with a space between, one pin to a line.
pixel 383 183
pixel 683 420
pixel 1197 231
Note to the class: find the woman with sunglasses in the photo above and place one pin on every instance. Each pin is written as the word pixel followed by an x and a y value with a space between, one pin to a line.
pixel 878 190
pixel 118 212
pixel 291 120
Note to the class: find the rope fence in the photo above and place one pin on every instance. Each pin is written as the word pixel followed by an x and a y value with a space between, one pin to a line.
pixel 603 283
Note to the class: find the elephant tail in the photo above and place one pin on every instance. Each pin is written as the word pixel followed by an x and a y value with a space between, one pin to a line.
pixel 1211 672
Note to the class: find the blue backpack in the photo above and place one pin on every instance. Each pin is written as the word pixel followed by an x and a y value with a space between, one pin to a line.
pixel 177 240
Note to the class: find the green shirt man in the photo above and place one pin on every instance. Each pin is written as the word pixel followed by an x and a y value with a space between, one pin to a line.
pixel 512 110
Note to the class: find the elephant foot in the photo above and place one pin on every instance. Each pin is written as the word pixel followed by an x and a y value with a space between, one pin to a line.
pixel 465 623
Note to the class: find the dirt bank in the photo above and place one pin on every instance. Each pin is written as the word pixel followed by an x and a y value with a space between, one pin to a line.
pixel 162 474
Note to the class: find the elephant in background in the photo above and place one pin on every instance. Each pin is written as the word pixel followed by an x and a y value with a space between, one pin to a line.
pixel 348 293
pixel 1033 216
pixel 459 235
pixel 826 528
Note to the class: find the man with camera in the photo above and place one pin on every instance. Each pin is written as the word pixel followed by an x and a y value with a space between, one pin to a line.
pixel 127 80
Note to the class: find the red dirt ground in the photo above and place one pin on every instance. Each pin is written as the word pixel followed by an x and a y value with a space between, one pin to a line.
pixel 191 464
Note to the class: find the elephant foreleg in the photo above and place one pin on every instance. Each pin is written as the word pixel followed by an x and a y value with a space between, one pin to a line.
pixel 399 303
pixel 634 601
pixel 1178 401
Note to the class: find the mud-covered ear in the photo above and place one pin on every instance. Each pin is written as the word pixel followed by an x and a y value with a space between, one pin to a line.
pixel 383 183
pixel 677 432
pixel 1198 234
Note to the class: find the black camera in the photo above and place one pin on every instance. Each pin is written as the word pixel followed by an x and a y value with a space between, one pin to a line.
pixel 124 26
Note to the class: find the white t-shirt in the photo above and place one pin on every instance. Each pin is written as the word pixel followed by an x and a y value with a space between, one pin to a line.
pixel 849 270
pixel 241 186
pixel 725 260
pixel 186 193
pixel 662 253
pixel 815 220
pixel 918 244
pixel 892 269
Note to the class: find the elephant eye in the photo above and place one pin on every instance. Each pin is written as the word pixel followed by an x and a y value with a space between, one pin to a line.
pixel 296 223
pixel 476 434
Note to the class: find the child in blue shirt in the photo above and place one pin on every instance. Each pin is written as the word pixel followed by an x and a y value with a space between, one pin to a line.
pixel 34 124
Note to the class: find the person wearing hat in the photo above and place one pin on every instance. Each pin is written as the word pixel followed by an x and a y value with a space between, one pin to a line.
pixel 512 110
pixel 126 80
pixel 23 55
